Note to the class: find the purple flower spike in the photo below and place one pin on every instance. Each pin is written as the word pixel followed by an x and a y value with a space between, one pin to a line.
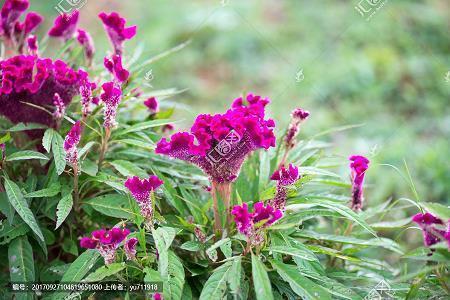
pixel 85 40
pixel 432 228
pixel 60 108
pixel 105 242
pixel 115 67
pixel 86 89
pixel 28 78
pixel 71 143
pixel 252 224
pixel 130 248
pixel 32 45
pixel 115 27
pixel 359 165
pixel 219 144
pixel 111 98
pixel 284 177
pixel 65 26
pixel 152 105
pixel 297 117
pixel 10 13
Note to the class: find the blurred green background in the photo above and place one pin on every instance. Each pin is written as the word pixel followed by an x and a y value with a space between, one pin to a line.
pixel 386 73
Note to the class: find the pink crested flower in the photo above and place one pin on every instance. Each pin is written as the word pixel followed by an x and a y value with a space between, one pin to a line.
pixel 34 80
pixel 298 115
pixel 141 191
pixel 23 30
pixel 252 224
pixel 219 144
pixel 111 97
pixel 130 248
pixel 10 14
pixel 115 27
pixel 71 142
pixel 284 177
pixel 60 107
pixel 152 105
pixel 359 165
pixel 114 66
pixel 32 45
pixel 85 40
pixel 432 228
pixel 86 89
pixel 65 26
pixel 105 242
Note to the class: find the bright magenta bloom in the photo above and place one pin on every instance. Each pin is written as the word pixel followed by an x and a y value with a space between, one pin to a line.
pixel 359 165
pixel 141 191
pixel 85 40
pixel 252 224
pixel 106 242
pixel 432 228
pixel 10 14
pixel 65 26
pixel 114 66
pixel 152 105
pixel 219 144
pixel 86 89
pixel 115 27
pixel 36 81
pixel 298 115
pixel 32 45
pixel 130 248
pixel 111 98
pixel 71 142
pixel 284 177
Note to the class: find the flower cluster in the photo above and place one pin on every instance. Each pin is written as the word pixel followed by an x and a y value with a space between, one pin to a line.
pixel 12 30
pixel 297 117
pixel 284 177
pixel 115 27
pixel 114 66
pixel 252 224
pixel 141 191
pixel 359 165
pixel 60 108
pixel 219 144
pixel 85 40
pixel 87 98
pixel 65 26
pixel 71 142
pixel 29 79
pixel 106 243
pixel 111 97
pixel 433 229
pixel 32 45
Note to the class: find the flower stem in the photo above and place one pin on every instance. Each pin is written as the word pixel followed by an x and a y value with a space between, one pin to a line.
pixel 75 188
pixel 104 147
pixel 222 191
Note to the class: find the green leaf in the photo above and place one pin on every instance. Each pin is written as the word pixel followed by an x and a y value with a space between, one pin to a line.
pixel 300 253
pixel 6 208
pixel 128 169
pixel 216 285
pixel 29 126
pixel 89 167
pixel 19 203
pixel 105 271
pixel 47 139
pixel 192 246
pixel 235 275
pixel 78 269
pixel 10 232
pixel 212 252
pixel 301 285
pixel 261 282
pixel 51 191
pixel 63 209
pixel 21 264
pixel 113 205
pixel 174 281
pixel 144 125
pixel 25 155
pixel 85 149
pixel 59 155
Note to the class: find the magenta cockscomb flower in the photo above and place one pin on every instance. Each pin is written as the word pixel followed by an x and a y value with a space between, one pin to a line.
pixel 111 97
pixel 105 242
pixel 23 30
pixel 284 177
pixel 115 27
pixel 141 191
pixel 60 107
pixel 432 228
pixel 359 165
pixel 30 79
pixel 71 142
pixel 32 45
pixel 152 105
pixel 114 66
pixel 157 296
pixel 219 143
pixel 130 248
pixel 10 14
pixel 252 224
pixel 297 117
pixel 65 26
pixel 86 41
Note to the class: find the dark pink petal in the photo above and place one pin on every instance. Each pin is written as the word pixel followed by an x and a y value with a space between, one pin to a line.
pixel 65 26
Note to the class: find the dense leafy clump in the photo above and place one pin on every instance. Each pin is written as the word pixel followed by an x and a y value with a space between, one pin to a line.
pixel 235 208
